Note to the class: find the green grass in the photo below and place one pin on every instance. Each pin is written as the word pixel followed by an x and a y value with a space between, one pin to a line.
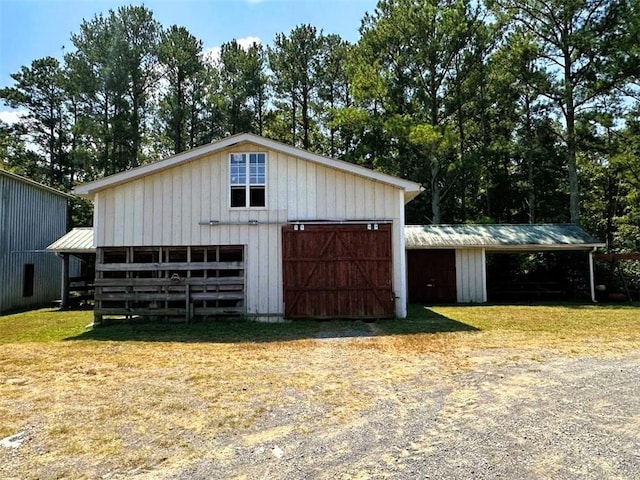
pixel 50 325
pixel 549 319
pixel 45 325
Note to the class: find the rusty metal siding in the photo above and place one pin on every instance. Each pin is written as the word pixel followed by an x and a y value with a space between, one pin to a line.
pixel 31 218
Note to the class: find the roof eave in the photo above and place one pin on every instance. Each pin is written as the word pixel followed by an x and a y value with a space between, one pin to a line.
pixel 511 248
pixel 88 190
pixel 33 183
pixel 411 194
pixel 71 251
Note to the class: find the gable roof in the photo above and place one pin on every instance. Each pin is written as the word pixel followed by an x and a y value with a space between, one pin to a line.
pixel 500 237
pixel 78 240
pixel 33 183
pixel 411 189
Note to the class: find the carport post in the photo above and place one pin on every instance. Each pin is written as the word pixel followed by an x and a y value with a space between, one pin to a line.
pixel 592 276
pixel 64 299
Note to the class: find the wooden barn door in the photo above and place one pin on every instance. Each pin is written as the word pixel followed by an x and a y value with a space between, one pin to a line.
pixel 432 276
pixel 338 271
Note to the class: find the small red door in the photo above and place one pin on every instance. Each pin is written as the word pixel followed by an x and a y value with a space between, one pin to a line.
pixel 431 276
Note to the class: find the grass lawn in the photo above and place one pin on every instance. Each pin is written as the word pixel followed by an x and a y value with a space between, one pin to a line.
pixel 126 397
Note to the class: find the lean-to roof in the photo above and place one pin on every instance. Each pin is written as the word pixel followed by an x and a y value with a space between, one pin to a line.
pixel 500 237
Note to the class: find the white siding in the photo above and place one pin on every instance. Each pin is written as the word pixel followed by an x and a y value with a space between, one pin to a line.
pixel 471 275
pixel 400 261
pixel 166 209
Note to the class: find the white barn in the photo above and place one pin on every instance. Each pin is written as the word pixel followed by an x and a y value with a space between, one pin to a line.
pixel 250 226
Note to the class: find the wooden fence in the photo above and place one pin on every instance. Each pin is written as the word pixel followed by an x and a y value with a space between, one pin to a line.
pixel 169 281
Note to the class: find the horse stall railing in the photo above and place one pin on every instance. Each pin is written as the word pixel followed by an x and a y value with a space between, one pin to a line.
pixel 159 282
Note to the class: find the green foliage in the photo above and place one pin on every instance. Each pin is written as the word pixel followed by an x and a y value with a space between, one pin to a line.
pixel 242 84
pixel 413 67
pixel 509 112
pixel 179 54
pixel 114 66
pixel 295 61
pixel 39 90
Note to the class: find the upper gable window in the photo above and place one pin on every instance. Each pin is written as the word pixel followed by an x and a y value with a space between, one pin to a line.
pixel 247 179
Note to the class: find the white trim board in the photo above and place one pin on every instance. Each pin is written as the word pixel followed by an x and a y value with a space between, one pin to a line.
pixel 411 189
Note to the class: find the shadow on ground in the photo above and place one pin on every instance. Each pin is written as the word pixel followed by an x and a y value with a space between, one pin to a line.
pixel 421 320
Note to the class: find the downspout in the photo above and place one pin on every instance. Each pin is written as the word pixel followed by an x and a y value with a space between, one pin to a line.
pixel 592 276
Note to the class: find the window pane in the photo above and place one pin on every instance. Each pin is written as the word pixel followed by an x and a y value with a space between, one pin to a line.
pixel 238 169
pixel 257 197
pixel 257 168
pixel 247 177
pixel 257 175
pixel 238 197
pixel 238 178
pixel 238 159
pixel 257 158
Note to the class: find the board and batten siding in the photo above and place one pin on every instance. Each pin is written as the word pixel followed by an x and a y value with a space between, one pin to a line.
pixel 168 208
pixel 31 218
pixel 471 275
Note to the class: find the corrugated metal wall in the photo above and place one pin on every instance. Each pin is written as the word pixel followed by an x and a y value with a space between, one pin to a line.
pixel 31 218
pixel 471 284
pixel 166 209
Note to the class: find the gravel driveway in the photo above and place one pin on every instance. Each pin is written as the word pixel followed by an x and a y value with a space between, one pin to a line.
pixel 551 417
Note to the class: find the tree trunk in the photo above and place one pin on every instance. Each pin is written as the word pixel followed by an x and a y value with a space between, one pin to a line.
pixel 435 193
pixel 305 119
pixel 531 193
pixel 570 118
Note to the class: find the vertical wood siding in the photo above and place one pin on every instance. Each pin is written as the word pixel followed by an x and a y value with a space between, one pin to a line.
pixel 166 208
pixel 471 275
pixel 31 218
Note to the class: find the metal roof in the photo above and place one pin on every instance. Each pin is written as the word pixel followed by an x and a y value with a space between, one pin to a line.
pixel 78 240
pixel 500 237
pixel 33 183
pixel 491 237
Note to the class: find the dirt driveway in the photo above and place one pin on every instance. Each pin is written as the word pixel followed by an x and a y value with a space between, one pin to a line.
pixel 549 417
pixel 356 403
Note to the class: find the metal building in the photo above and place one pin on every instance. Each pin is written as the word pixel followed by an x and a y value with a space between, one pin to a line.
pixel 31 217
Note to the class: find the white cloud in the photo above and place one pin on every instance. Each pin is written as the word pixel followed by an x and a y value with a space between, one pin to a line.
pixel 253 2
pixel 246 42
pixel 12 116
pixel 212 55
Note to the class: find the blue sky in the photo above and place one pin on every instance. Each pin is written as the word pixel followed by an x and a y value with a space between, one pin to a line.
pixel 31 29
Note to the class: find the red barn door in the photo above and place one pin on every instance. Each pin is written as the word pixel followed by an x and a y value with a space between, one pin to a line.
pixel 432 276
pixel 338 271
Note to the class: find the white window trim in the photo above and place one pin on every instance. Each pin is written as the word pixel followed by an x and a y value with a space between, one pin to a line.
pixel 248 184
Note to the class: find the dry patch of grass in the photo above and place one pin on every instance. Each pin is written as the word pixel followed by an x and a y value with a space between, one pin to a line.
pixel 153 396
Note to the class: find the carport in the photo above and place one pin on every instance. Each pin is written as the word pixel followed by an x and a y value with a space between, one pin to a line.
pixel 77 243
pixel 448 263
